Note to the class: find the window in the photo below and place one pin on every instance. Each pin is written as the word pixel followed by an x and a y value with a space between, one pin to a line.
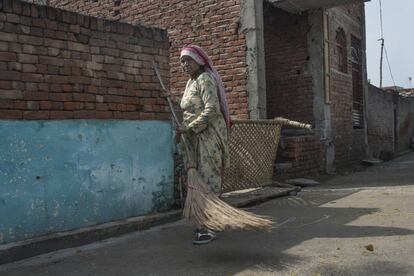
pixel 357 84
pixel 341 51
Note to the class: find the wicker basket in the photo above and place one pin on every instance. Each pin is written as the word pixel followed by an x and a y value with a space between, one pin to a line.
pixel 252 149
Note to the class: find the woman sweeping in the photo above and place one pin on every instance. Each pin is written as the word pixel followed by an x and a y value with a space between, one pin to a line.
pixel 205 122
pixel 205 126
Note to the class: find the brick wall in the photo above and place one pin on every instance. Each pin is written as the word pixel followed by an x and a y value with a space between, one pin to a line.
pixel 212 24
pixel 288 82
pixel 405 122
pixel 349 142
pixel 301 157
pixel 56 64
pixel 380 121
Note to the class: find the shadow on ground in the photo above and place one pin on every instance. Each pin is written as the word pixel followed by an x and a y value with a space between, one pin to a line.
pixel 168 250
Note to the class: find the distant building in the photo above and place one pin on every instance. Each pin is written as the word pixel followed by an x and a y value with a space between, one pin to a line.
pixel 405 92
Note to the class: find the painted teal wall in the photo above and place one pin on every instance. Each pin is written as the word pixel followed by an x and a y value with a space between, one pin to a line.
pixel 63 175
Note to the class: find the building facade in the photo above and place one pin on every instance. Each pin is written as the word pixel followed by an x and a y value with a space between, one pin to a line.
pixel 303 61
pixel 85 138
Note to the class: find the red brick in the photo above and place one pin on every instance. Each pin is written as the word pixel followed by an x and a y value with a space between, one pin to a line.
pixel 60 97
pixel 67 88
pixel 10 75
pixel 80 80
pixel 65 70
pixel 13 18
pixel 20 104
pixel 6 104
pixel 102 106
pixel 31 86
pixel 14 66
pixel 39 22
pixel 36 96
pixel 75 46
pixel 128 115
pixel 146 116
pixel 55 43
pixel 52 69
pixel 24 58
pixel 7 56
pixel 102 114
pixel 84 114
pixel 45 105
pixel 29 68
pixel 43 87
pixel 72 105
pixel 56 79
pixel 89 106
pixel 53 87
pixel 10 114
pixel 51 61
pixel 61 114
pixel 5 84
pixel 52 25
pixel 32 77
pixel 32 40
pixel 8 37
pixel 84 97
pixel 11 94
pixel 31 105
pixel 131 107
pixel 57 105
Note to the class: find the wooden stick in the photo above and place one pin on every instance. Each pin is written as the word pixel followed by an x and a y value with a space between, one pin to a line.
pixel 157 72
pixel 288 122
pixel 278 120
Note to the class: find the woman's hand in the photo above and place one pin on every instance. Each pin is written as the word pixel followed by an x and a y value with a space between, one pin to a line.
pixel 181 130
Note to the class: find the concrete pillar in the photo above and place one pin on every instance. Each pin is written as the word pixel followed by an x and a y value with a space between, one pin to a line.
pixel 252 27
pixel 321 109
pixel 365 86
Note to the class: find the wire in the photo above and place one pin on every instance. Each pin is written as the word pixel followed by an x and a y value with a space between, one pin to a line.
pixel 389 66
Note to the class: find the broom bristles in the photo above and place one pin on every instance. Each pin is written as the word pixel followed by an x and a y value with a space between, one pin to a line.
pixel 207 210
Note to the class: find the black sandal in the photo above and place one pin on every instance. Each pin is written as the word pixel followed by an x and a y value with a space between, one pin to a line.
pixel 204 237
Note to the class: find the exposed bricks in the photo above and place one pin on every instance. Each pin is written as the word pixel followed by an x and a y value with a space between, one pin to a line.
pixel 288 85
pixel 212 24
pixel 56 64
pixel 349 142
pixel 304 154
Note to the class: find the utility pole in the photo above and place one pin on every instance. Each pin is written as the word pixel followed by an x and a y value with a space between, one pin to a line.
pixel 382 42
pixel 382 56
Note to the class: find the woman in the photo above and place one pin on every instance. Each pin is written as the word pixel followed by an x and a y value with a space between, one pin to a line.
pixel 206 122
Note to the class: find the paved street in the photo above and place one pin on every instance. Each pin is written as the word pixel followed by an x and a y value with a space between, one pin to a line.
pixel 358 224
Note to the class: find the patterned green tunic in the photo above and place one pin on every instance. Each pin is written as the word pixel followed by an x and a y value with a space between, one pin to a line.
pixel 206 129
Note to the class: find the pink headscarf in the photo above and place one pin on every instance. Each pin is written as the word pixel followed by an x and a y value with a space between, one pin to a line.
pixel 200 56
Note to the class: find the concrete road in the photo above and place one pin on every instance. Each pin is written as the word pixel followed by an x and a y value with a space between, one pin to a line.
pixel 359 224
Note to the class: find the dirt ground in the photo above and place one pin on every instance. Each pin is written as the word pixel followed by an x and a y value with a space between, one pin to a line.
pixel 358 224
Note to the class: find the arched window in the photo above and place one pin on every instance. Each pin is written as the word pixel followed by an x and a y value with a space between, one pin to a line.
pixel 341 50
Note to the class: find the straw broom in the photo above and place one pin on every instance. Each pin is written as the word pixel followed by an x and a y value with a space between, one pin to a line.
pixel 203 206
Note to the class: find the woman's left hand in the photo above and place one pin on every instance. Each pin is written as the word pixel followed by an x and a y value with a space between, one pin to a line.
pixel 181 130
